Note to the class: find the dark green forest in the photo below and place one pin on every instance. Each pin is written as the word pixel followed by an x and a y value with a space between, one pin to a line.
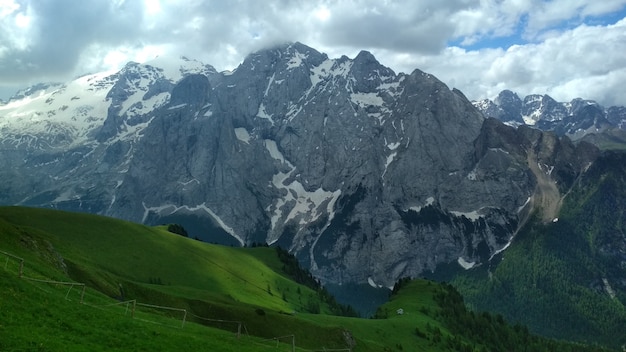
pixel 491 330
pixel 292 267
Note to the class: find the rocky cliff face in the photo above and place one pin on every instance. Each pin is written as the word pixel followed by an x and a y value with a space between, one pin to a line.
pixel 364 174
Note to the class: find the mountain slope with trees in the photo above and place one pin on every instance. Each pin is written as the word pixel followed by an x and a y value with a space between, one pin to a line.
pixel 566 278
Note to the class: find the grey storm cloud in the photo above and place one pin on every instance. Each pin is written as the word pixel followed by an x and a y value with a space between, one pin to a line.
pixel 423 28
pixel 60 32
pixel 371 30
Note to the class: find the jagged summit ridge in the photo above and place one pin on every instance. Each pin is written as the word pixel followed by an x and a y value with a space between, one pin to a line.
pixel 575 118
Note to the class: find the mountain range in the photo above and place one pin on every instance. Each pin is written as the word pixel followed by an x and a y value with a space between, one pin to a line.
pixel 364 174
pixel 575 119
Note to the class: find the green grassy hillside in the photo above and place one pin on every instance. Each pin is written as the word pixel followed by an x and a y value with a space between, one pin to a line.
pixel 120 261
pixel 102 251
pixel 154 266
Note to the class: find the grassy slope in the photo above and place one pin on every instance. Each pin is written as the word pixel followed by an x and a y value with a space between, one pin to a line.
pixel 140 254
pixel 37 317
pixel 157 267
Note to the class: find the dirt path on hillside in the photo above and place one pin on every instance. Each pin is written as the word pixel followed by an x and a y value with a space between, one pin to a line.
pixel 546 197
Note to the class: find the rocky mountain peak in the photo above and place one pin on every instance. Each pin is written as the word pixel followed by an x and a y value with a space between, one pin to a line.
pixel 287 56
pixel 507 97
pixel 617 116
pixel 509 104
pixel 369 73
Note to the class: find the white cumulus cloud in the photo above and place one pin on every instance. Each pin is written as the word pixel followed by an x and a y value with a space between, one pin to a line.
pixel 567 48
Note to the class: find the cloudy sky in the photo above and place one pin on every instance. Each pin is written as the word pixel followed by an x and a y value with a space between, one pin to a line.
pixel 566 48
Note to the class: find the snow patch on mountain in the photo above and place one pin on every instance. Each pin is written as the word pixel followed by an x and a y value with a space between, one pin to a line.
pixel 393 146
pixel 320 72
pixel 472 215
pixel 176 106
pixel 175 68
pixel 524 205
pixel 465 264
pixel 393 87
pixel 366 99
pixel 269 84
pixel 67 195
pixel 293 110
pixel 547 169
pixel 329 68
pixel 372 283
pixel 296 60
pixel 297 203
pixel 418 208
pixel 388 162
pixel 263 114
pixel 147 105
pixel 65 112
pixel 272 148
pixel 130 132
pixel 530 120
pixel 482 104
pixel 242 135
pixel 63 116
pixel 472 176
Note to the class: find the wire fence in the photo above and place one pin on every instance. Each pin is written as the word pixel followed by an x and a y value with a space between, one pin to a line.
pixel 128 305
pixel 16 264
pixel 171 309
pixel 219 322
pixel 70 284
pixel 14 257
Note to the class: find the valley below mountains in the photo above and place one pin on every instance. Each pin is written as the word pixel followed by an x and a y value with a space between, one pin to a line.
pixel 365 175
